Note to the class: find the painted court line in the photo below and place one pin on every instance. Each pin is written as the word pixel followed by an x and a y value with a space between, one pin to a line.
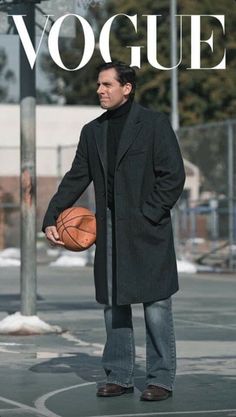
pixel 40 402
pixel 25 407
pixel 17 412
pixel 204 324
pixel 167 413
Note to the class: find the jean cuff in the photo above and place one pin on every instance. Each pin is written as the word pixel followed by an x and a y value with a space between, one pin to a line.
pixel 160 385
pixel 122 384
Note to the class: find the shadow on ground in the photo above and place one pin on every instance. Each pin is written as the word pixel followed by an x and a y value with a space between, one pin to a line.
pixel 86 367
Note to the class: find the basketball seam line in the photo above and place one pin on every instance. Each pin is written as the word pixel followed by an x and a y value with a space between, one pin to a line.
pixel 76 217
pixel 67 214
pixel 79 246
pixel 82 230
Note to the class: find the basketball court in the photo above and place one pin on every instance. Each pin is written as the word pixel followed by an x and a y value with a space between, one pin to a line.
pixel 56 375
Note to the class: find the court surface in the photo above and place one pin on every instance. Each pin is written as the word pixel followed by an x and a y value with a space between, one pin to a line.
pixel 56 375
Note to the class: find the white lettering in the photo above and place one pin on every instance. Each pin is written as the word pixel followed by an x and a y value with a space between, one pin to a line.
pixel 105 38
pixel 104 41
pixel 152 42
pixel 89 42
pixel 25 38
pixel 196 42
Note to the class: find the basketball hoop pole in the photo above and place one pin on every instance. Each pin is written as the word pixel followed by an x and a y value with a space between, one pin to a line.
pixel 28 170
pixel 18 323
pixel 28 158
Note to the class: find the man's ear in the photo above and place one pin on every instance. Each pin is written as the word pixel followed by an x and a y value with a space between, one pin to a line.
pixel 127 88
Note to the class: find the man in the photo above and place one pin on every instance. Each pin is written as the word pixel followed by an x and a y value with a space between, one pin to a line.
pixel 132 156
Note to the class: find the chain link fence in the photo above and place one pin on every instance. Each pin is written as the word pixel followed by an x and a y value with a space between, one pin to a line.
pixel 204 218
pixel 207 209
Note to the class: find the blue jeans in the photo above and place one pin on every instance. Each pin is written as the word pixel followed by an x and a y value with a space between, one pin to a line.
pixel 119 351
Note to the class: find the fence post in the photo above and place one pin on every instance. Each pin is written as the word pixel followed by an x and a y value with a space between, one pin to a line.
pixel 214 222
pixel 231 193
pixel 2 221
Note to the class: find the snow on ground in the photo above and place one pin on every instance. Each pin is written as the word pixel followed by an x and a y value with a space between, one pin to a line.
pixel 81 259
pixel 185 266
pixel 10 257
pixel 26 325
pixel 10 253
pixel 9 262
pixel 66 260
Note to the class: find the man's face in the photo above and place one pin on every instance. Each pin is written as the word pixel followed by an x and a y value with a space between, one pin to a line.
pixel 110 92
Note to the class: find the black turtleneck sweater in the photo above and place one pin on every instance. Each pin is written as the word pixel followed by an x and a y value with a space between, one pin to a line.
pixel 116 120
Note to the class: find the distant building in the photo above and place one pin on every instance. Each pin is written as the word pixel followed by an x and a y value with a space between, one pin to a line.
pixel 192 183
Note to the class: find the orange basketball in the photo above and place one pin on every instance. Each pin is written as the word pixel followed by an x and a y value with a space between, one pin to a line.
pixel 76 227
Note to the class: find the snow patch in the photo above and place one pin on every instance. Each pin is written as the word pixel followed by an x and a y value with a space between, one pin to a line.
pixel 10 257
pixel 17 324
pixel 71 259
pixel 10 253
pixel 185 266
pixel 9 262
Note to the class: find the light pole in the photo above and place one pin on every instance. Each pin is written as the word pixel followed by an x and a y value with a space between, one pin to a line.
pixel 174 71
pixel 28 171
pixel 174 101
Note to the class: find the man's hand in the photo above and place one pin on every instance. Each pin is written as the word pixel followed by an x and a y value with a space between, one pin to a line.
pixel 53 236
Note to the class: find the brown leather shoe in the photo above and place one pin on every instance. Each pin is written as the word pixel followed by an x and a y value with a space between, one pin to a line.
pixel 155 393
pixel 113 390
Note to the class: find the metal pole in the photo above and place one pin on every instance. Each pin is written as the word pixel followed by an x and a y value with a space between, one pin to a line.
pixel 214 222
pixel 2 220
pixel 28 175
pixel 174 73
pixel 193 216
pixel 174 104
pixel 59 164
pixel 231 192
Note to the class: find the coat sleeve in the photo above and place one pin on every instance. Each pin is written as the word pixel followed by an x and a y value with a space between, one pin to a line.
pixel 169 172
pixel 73 184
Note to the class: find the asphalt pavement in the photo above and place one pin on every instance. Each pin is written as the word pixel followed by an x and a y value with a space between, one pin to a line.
pixel 56 375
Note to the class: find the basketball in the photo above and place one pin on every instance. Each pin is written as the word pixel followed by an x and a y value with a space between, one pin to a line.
pixel 76 227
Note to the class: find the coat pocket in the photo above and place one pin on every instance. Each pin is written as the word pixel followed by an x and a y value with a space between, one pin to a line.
pixel 135 152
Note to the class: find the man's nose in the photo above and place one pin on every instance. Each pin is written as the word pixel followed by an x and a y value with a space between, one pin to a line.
pixel 100 89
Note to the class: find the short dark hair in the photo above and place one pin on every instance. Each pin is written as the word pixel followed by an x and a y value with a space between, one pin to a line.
pixel 125 74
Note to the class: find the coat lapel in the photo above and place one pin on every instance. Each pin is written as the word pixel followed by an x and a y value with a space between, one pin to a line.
pixel 129 133
pixel 101 142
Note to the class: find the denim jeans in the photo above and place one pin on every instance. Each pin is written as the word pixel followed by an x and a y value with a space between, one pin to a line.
pixel 119 351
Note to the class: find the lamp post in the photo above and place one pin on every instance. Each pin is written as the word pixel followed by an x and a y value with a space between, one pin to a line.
pixel 174 71
pixel 174 103
pixel 28 171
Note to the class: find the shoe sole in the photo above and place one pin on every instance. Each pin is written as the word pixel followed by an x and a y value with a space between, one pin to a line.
pixel 127 391
pixel 156 399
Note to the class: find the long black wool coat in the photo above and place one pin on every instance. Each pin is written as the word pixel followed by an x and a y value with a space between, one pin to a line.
pixel 149 179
